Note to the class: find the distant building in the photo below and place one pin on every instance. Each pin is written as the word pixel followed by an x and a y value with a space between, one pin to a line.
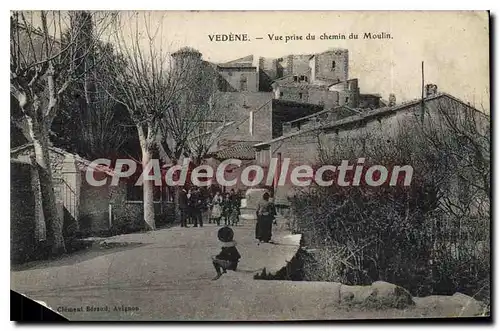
pixel 264 99
pixel 321 79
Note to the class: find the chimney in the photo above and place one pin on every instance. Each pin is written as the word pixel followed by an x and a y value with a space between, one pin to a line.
pixel 430 90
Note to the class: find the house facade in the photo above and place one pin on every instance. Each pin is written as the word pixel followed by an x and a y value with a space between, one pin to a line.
pixel 88 209
pixel 303 146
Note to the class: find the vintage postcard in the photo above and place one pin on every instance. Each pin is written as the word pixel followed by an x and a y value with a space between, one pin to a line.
pixel 250 166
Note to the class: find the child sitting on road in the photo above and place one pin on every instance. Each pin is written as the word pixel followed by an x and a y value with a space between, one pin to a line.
pixel 229 256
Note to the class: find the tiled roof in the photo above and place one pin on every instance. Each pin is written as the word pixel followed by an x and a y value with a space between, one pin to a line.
pixel 241 151
pixel 82 164
pixel 366 115
pixel 354 111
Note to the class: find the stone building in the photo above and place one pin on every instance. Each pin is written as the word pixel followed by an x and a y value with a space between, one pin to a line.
pixel 329 66
pixel 253 118
pixel 239 75
pixel 301 143
pixel 87 209
pixel 261 99
pixel 323 79
pixel 245 85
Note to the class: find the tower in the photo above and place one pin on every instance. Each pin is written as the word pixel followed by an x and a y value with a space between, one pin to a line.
pixel 187 58
pixel 332 65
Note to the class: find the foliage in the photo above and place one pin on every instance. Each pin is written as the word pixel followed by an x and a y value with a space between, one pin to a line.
pixel 430 237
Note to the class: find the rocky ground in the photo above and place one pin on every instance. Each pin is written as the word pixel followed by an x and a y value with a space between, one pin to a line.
pixel 166 275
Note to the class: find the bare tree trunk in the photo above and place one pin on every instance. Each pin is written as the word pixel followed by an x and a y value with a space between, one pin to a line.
pixel 40 229
pixel 147 185
pixel 54 223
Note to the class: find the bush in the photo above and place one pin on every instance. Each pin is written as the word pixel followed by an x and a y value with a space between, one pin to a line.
pixel 428 237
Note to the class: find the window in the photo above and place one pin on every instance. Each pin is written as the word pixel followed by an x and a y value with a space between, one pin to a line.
pixel 295 78
pixel 333 65
pixel 300 95
pixel 243 83
pixel 346 99
pixel 281 94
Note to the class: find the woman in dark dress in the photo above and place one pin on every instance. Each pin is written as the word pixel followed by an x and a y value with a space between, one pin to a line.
pixel 265 217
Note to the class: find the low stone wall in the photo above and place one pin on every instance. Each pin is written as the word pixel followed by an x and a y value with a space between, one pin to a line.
pixel 22 214
pixel 380 294
pixel 383 295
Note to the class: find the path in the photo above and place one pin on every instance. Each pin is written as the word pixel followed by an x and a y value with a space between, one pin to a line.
pixel 166 275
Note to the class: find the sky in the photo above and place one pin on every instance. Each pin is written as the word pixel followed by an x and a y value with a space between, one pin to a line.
pixel 453 45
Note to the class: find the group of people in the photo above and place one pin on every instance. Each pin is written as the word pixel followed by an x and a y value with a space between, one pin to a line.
pixel 198 205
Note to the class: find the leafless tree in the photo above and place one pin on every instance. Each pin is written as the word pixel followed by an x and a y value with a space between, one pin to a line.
pixel 139 78
pixel 461 136
pixel 46 54
pixel 208 132
pixel 169 95
pixel 190 128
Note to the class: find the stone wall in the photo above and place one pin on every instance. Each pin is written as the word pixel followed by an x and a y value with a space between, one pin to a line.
pixel 300 149
pixel 297 64
pixel 324 65
pixel 303 148
pixel 328 99
pixel 299 92
pixel 241 79
pixel 22 214
pixel 94 206
pixel 237 107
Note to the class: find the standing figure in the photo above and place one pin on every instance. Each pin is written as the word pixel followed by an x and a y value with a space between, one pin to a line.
pixel 235 210
pixel 183 207
pixel 216 208
pixel 265 216
pixel 227 207
pixel 205 205
pixel 190 206
pixel 196 206
pixel 210 206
